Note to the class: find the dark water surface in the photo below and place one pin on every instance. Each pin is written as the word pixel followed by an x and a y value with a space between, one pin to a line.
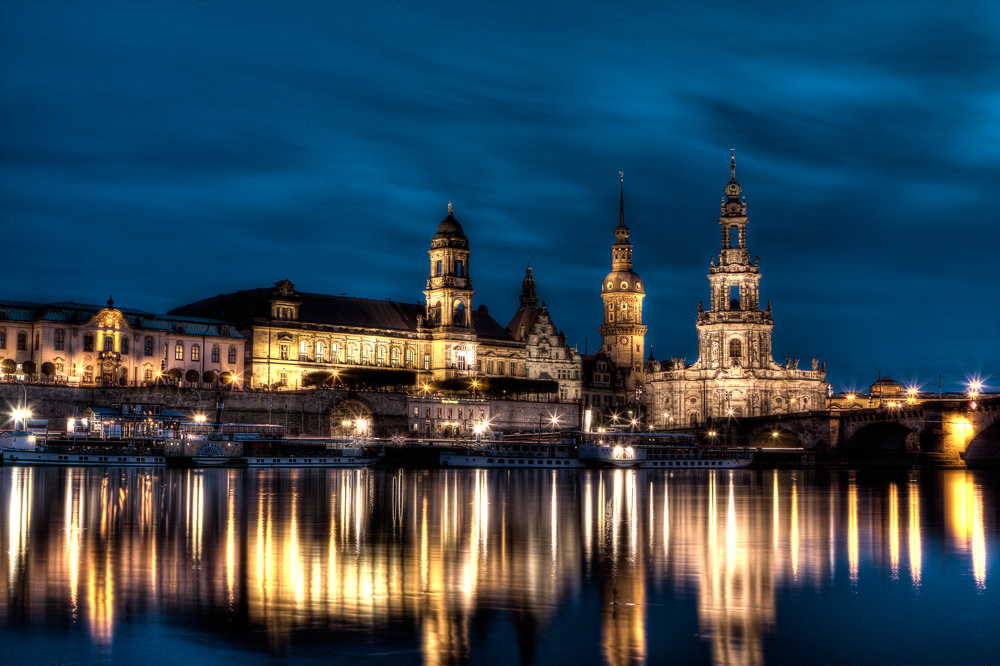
pixel 498 567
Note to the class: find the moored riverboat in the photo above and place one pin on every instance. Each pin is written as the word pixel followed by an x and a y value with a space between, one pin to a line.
pixel 657 451
pixel 26 448
pixel 521 453
pixel 258 445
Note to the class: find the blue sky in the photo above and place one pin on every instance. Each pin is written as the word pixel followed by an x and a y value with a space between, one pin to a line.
pixel 167 152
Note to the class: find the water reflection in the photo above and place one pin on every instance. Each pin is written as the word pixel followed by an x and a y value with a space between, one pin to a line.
pixel 456 556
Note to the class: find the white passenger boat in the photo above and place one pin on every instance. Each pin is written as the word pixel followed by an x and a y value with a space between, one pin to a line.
pixel 77 458
pixel 657 451
pixel 20 448
pixel 522 454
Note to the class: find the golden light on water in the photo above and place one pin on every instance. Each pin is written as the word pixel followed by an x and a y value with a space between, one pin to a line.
pixel 916 543
pixel 893 531
pixel 355 549
pixel 852 529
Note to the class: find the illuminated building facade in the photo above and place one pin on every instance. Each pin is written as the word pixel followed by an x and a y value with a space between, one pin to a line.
pixel 735 374
pixel 548 355
pixel 290 334
pixel 75 344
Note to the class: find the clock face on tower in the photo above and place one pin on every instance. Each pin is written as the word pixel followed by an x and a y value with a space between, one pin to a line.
pixel 623 340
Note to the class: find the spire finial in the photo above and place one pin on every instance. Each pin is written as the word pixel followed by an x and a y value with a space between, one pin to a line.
pixel 111 302
pixel 449 208
pixel 621 209
pixel 732 163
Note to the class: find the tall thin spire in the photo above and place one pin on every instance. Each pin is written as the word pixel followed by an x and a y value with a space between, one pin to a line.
pixel 621 209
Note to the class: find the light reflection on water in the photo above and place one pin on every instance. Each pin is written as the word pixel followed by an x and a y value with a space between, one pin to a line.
pixel 450 567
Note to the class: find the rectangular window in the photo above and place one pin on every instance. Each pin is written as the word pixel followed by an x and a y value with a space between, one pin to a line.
pixel 439 412
pixel 461 362
pixel 416 411
pixel 437 269
pixel 195 353
pixel 88 343
pixel 458 268
pixel 148 350
pixel 124 345
pixel 22 341
pixel 283 352
pixel 179 351
pixel 232 354
pixel 109 343
pixel 502 367
pixel 3 339
pixel 427 361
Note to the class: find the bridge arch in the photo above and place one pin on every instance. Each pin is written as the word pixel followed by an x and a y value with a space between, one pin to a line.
pixel 984 449
pixel 882 437
pixel 775 437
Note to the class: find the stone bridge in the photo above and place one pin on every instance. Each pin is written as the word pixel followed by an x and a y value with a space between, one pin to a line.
pixel 948 431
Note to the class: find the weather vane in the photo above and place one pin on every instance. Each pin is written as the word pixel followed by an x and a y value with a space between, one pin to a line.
pixel 622 174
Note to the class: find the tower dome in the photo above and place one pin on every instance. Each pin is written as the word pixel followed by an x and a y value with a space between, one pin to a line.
pixel 450 226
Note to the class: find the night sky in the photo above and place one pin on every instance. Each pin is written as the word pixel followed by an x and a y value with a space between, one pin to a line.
pixel 165 153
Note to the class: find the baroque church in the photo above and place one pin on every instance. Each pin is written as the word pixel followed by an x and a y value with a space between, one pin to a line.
pixel 735 374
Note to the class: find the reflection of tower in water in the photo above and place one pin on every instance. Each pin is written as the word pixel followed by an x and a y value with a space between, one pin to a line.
pixel 623 594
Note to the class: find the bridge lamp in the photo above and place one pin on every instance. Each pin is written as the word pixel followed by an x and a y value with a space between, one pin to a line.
pixel 730 412
pixel 554 420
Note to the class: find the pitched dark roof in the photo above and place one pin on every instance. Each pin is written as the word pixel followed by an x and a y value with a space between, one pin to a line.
pixel 80 313
pixel 243 308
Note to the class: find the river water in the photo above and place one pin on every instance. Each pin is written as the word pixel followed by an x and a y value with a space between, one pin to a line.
pixel 163 566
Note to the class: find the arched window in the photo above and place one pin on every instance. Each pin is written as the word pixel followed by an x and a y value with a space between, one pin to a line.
pixel 366 354
pixel 735 348
pixel 109 343
pixel 179 351
pixel 232 353
pixel 394 357
pixel 380 355
pixel 320 352
pixel 303 349
pixel 352 352
pixel 147 374
pixel 409 358
pixel 459 319
pixel 334 352
pixel 436 313
pixel 693 418
pixel 215 354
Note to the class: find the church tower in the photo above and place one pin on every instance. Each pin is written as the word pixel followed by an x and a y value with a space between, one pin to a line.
pixel 735 334
pixel 449 301
pixel 623 334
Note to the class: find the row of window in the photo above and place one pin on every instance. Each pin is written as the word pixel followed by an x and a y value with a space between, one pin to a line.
pixel 471 412
pixel 59 343
pixel 196 352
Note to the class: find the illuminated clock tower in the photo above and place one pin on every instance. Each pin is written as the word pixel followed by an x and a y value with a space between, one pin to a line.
pixel 623 334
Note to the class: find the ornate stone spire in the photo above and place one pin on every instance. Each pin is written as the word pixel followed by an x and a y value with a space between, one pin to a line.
pixel 528 296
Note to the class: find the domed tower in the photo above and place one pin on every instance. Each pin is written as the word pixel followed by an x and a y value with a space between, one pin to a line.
pixel 734 332
pixel 623 334
pixel 449 288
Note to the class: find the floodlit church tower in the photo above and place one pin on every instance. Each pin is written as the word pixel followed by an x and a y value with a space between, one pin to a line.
pixel 623 334
pixel 449 301
pixel 734 332
pixel 735 374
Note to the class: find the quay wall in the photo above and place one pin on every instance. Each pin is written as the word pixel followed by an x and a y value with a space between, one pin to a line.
pixel 303 412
